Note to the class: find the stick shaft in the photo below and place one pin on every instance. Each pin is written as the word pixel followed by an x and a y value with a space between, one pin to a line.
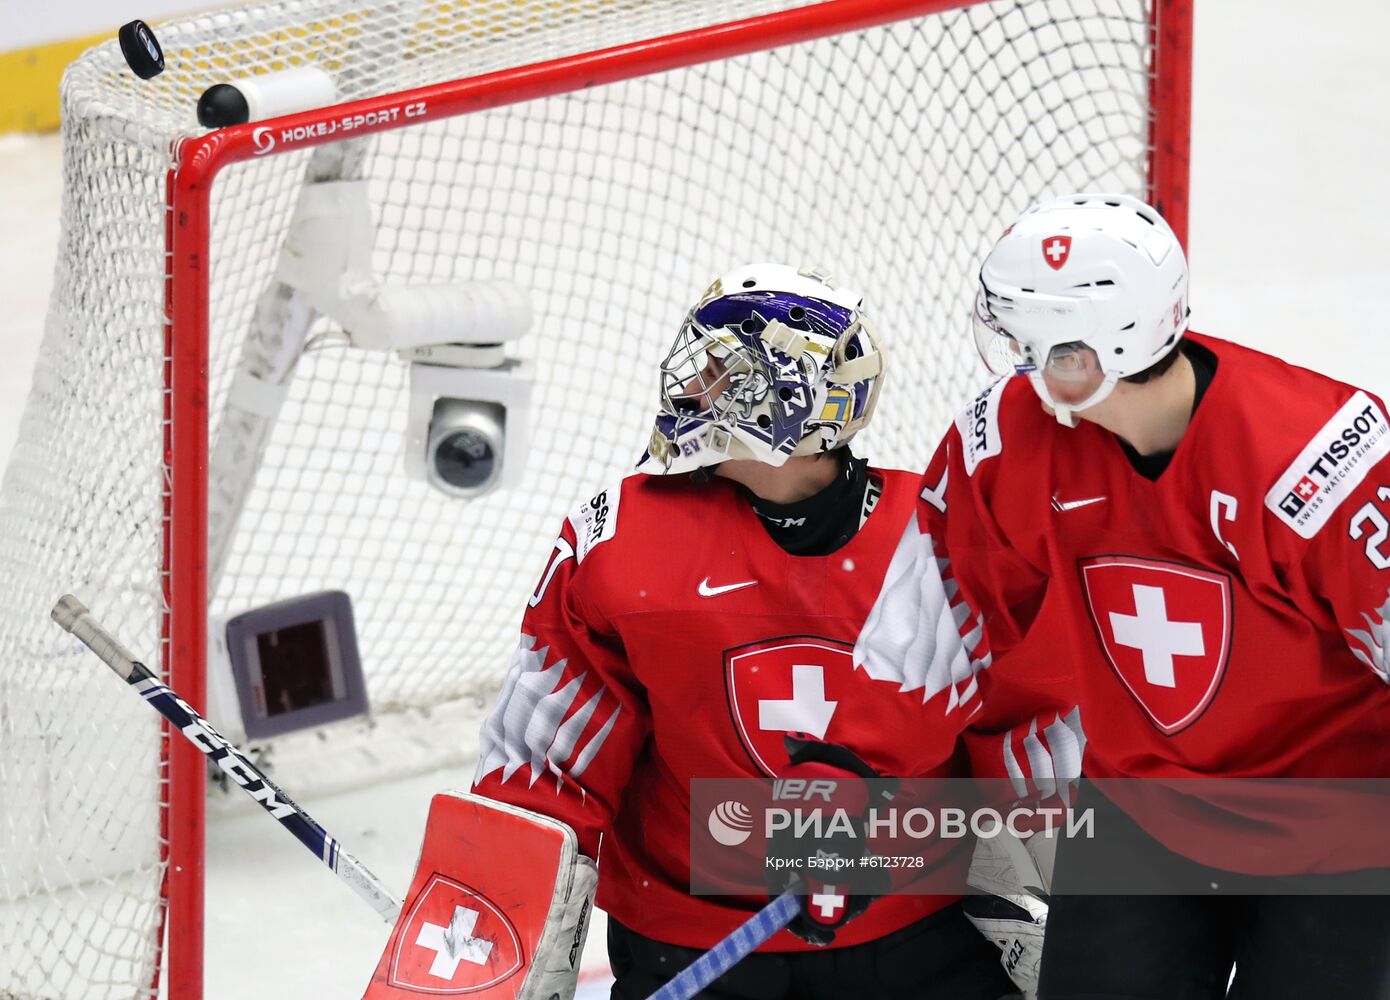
pixel 732 950
pixel 71 615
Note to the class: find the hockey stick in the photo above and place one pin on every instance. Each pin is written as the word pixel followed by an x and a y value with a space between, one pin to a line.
pixel 733 949
pixel 74 618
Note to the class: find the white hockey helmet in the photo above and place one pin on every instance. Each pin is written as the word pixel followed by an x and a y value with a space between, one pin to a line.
pixel 1087 289
pixel 771 362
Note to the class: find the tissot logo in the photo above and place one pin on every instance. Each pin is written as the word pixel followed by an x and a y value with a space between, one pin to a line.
pixel 596 520
pixel 1299 496
pixel 978 430
pixel 599 505
pixel 978 426
pixel 1331 465
pixel 1291 504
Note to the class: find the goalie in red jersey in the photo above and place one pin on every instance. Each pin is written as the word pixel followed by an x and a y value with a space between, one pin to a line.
pixel 1202 531
pixel 691 617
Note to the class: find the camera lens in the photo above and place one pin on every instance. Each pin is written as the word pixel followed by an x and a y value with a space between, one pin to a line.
pixel 466 447
pixel 465 459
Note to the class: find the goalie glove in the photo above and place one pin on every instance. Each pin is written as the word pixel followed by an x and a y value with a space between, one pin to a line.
pixel 829 780
pixel 499 907
pixel 1012 911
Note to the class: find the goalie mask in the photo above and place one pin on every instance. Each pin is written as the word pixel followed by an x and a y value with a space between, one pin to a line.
pixel 1079 293
pixel 772 362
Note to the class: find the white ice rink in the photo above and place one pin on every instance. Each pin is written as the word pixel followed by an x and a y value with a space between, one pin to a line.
pixel 1289 247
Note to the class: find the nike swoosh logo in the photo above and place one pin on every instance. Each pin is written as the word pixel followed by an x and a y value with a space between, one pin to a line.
pixel 707 591
pixel 1073 504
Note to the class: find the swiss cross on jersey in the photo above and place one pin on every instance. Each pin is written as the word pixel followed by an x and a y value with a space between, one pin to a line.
pixel 1056 250
pixel 455 941
pixel 785 685
pixel 1166 630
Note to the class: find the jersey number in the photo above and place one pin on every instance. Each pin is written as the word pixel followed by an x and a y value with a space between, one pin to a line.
pixel 1370 515
pixel 936 495
pixel 563 550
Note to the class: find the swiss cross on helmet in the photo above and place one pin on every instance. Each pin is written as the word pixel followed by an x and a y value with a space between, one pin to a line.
pixel 772 362
pixel 1079 293
pixel 1056 250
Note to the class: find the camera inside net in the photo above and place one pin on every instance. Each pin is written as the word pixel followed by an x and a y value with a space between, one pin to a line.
pixel 469 419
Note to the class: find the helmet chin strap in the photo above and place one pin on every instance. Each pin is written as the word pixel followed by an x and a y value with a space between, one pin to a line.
pixel 1066 412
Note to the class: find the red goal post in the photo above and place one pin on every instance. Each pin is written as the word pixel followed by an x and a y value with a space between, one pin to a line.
pixel 1022 68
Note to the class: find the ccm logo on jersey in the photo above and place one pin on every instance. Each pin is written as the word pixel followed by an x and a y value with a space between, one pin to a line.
pixel 1333 464
pixel 596 520
pixel 979 427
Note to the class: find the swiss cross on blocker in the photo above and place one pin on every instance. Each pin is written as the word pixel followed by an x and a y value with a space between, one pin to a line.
pixel 454 944
pixel 468 926
pixel 785 685
pixel 456 941
pixel 1056 250
pixel 1165 629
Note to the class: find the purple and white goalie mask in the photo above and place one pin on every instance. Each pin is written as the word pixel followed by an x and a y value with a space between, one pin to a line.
pixel 772 362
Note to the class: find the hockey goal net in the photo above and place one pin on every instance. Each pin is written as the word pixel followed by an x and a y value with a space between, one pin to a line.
pixel 607 157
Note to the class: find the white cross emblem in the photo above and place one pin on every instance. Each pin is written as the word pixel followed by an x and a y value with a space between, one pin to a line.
pixel 1158 639
pixel 829 902
pixel 807 711
pixel 454 944
pixel 1056 250
pixel 1306 488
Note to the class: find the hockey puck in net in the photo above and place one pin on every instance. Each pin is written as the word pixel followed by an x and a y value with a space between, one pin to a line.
pixel 141 50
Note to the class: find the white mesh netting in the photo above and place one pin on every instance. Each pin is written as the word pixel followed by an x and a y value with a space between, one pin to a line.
pixel 894 156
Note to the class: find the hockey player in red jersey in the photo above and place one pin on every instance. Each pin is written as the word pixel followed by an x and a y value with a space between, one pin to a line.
pixel 1202 530
pixel 691 616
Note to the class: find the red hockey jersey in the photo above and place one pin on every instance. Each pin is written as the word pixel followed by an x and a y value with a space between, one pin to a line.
pixel 671 638
pixel 1228 619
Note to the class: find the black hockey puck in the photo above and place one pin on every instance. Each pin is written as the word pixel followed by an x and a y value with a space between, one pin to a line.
pixel 141 50
pixel 222 105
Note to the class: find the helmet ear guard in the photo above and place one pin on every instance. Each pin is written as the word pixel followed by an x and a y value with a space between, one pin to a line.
pixel 865 365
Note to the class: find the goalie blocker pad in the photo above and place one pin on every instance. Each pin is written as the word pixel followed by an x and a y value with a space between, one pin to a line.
pixel 498 908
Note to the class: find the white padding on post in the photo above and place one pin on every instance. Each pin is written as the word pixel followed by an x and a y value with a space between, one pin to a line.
pixel 327 257
pixel 256 395
pixel 471 312
pixel 328 247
